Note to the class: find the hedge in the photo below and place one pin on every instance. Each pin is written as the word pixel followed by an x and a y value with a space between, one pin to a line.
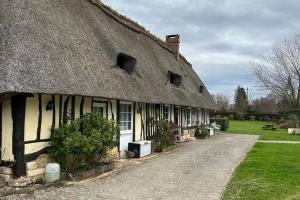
pixel 224 122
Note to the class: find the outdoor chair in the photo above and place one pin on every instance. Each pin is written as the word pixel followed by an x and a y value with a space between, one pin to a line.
pixel 217 128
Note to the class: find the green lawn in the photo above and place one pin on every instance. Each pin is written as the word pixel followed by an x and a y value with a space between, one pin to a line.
pixel 255 128
pixel 269 172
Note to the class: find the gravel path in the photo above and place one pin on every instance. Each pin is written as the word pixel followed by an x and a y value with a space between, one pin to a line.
pixel 198 170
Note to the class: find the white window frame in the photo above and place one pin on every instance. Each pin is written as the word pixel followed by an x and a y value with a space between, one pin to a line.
pixel 101 105
pixel 169 112
pixel 131 128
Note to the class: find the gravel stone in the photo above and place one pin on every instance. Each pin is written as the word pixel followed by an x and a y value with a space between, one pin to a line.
pixel 198 170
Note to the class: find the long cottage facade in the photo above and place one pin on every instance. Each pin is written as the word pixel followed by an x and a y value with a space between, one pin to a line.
pixel 61 59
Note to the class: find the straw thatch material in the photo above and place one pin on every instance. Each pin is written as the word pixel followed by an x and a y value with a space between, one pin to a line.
pixel 71 47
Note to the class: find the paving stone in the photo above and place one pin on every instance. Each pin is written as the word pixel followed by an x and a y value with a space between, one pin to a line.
pixel 7 178
pixel 36 172
pixel 6 170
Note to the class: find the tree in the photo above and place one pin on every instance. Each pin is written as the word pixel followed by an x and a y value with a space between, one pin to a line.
pixel 241 103
pixel 267 104
pixel 222 102
pixel 279 72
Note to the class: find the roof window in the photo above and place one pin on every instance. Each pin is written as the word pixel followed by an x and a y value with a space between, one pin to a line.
pixel 174 78
pixel 201 89
pixel 126 62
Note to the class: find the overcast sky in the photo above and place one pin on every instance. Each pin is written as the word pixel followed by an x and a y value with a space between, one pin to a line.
pixel 219 37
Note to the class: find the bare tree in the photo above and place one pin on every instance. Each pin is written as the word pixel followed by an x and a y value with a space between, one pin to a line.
pixel 279 72
pixel 267 104
pixel 222 102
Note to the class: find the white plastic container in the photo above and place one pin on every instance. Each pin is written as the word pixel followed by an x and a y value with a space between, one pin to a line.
pixel 52 172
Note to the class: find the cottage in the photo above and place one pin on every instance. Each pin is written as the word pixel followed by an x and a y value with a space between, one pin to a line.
pixel 61 59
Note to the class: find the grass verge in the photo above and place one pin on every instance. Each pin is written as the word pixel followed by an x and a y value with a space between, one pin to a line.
pixel 255 128
pixel 269 171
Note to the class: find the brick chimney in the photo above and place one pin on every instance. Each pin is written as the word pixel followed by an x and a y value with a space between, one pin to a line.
pixel 173 42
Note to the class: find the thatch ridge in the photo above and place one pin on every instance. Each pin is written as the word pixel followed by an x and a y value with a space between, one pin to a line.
pixel 134 26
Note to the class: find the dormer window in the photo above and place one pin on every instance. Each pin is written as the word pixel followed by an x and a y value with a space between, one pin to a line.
pixel 126 62
pixel 175 79
pixel 201 89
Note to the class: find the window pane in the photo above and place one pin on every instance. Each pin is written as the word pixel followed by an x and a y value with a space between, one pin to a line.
pixel 129 125
pixel 128 116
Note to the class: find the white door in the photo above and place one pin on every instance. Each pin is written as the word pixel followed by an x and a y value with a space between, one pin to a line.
pixel 126 126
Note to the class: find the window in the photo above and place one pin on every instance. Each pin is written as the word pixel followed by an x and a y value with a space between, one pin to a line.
pixel 126 117
pixel 174 78
pixel 201 89
pixel 166 113
pixel 100 108
pixel 188 117
pixel 126 62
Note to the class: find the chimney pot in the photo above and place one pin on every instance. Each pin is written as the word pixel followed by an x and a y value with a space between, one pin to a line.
pixel 173 42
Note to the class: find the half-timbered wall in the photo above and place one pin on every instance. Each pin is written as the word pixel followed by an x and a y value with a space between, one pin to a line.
pixel 39 119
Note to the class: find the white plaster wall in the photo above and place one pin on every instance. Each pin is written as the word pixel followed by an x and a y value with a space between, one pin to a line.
pixel 35 147
pixel 77 107
pixel 7 129
pixel 31 118
pixel 87 108
pixel 138 127
pixel 56 111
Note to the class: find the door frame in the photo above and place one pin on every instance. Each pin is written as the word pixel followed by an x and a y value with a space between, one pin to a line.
pixel 132 119
pixel 101 104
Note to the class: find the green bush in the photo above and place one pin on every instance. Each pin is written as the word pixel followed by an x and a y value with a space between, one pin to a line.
pixel 201 131
pixel 83 142
pixel 223 122
pixel 164 135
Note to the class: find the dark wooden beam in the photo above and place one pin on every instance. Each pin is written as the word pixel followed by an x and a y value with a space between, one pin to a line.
pixel 60 109
pixel 53 112
pixel 38 134
pixel 118 122
pixel 81 106
pixel 65 113
pixel 18 106
pixel 73 108
pixel 34 156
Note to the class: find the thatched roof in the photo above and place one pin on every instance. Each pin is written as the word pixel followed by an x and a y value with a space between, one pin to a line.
pixel 71 47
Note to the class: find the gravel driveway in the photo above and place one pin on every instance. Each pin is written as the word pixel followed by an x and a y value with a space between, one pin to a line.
pixel 198 170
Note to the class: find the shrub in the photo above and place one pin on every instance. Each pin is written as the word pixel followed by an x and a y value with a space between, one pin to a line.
pixel 164 135
pixel 284 125
pixel 252 118
pixel 83 141
pixel 224 122
pixel 239 116
pixel 293 124
pixel 201 131
pixel 231 117
pixel 281 121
